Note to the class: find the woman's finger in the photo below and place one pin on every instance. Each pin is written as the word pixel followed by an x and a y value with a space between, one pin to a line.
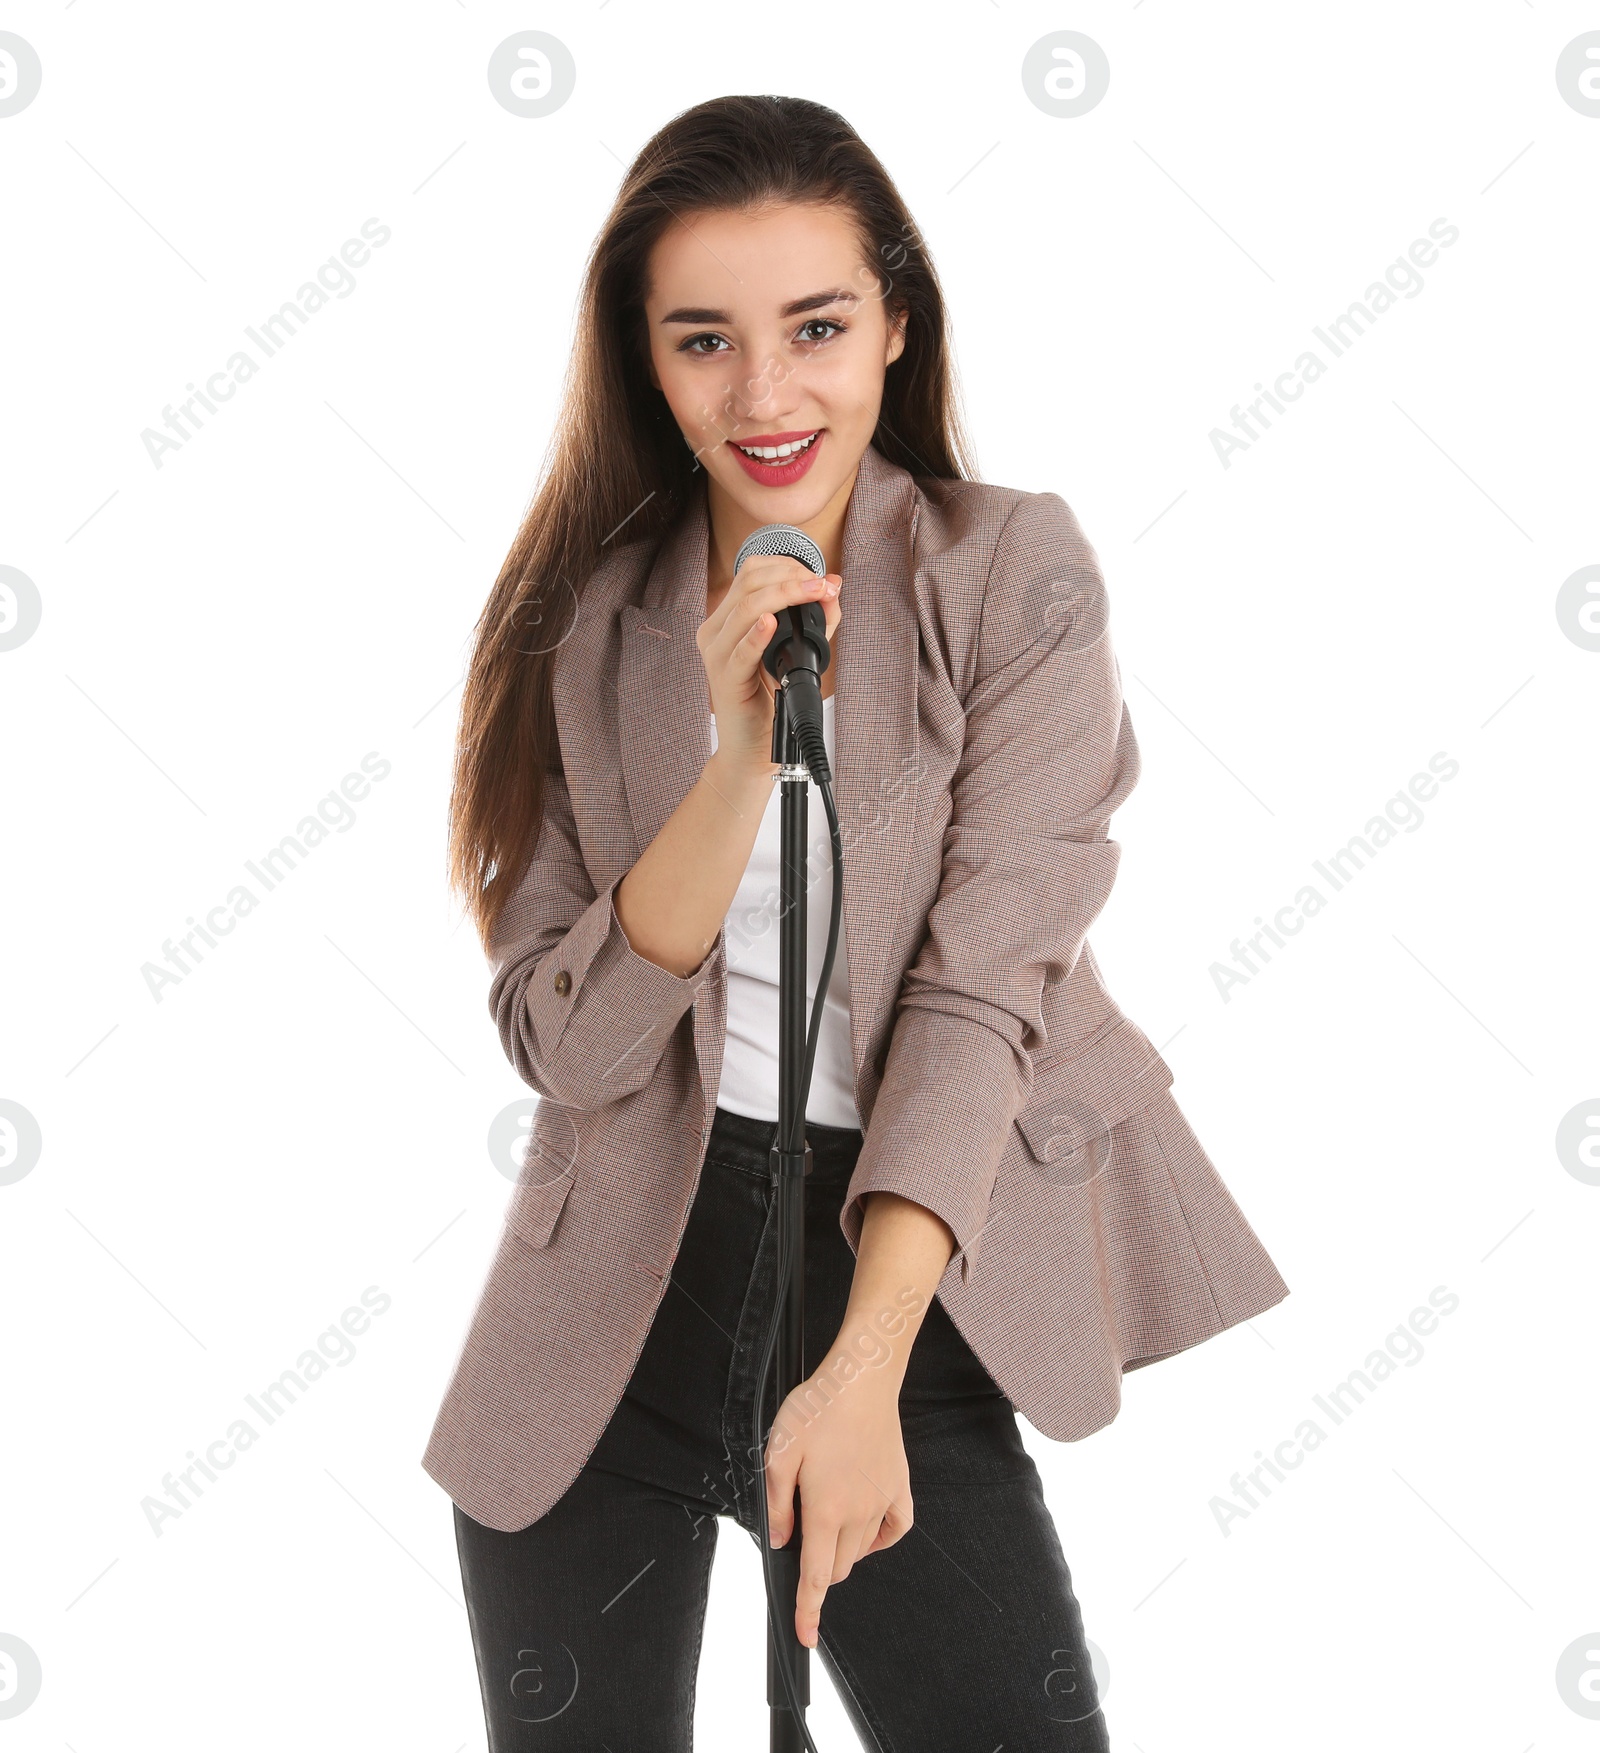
pixel 761 631
pixel 769 580
pixel 819 1543
pixel 762 605
pixel 896 1524
pixel 782 1463
pixel 766 623
pixel 871 1533
pixel 854 1537
pixel 743 623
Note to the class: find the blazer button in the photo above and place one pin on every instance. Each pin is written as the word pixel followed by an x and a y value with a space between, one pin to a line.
pixel 563 982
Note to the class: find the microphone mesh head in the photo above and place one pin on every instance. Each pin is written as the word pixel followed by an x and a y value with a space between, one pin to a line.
pixel 781 538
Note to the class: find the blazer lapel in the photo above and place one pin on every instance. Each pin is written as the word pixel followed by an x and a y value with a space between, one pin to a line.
pixel 664 726
pixel 663 719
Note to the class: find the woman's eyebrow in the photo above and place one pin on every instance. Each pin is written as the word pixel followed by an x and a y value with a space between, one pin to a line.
pixel 795 307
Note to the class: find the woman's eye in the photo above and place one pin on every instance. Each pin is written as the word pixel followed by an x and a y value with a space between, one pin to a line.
pixel 814 332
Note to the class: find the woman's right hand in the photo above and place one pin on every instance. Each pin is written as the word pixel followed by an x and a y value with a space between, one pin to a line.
pixel 732 639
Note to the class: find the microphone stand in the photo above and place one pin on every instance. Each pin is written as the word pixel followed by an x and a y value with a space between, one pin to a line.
pixel 788 1664
pixel 796 656
pixel 788 1667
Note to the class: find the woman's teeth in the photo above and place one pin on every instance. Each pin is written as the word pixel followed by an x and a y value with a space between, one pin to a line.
pixel 776 452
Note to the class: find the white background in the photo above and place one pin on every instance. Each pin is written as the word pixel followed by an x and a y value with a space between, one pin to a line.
pixel 308 1112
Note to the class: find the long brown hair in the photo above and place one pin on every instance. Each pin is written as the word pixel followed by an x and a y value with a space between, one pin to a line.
pixel 617 470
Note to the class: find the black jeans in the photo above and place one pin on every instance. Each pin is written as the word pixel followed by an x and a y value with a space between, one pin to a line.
pixel 965 1633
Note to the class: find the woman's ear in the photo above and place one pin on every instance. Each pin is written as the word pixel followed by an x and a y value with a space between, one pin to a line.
pixel 897 335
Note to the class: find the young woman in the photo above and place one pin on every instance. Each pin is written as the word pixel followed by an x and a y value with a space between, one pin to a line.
pixel 1005 1208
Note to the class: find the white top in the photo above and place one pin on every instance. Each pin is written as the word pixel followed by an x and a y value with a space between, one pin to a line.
pixel 750 1061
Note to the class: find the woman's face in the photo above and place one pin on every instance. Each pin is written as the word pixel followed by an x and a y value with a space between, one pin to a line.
pixel 767 328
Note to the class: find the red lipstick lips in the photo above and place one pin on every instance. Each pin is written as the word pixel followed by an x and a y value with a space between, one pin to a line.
pixel 782 472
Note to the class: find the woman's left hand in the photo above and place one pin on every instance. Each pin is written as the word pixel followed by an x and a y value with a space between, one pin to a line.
pixel 839 1442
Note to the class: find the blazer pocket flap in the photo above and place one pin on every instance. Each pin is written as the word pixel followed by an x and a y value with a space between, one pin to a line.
pixel 1078 1099
pixel 535 1206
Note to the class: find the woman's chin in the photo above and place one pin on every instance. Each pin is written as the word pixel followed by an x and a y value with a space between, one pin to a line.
pixel 799 504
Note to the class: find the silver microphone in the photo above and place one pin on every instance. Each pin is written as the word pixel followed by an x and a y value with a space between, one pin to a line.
pixel 781 538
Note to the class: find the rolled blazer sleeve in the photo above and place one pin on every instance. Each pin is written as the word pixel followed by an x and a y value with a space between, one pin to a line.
pixel 1049 753
pixel 599 1032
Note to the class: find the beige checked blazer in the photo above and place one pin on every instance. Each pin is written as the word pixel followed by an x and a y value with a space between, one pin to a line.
pixel 982 744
